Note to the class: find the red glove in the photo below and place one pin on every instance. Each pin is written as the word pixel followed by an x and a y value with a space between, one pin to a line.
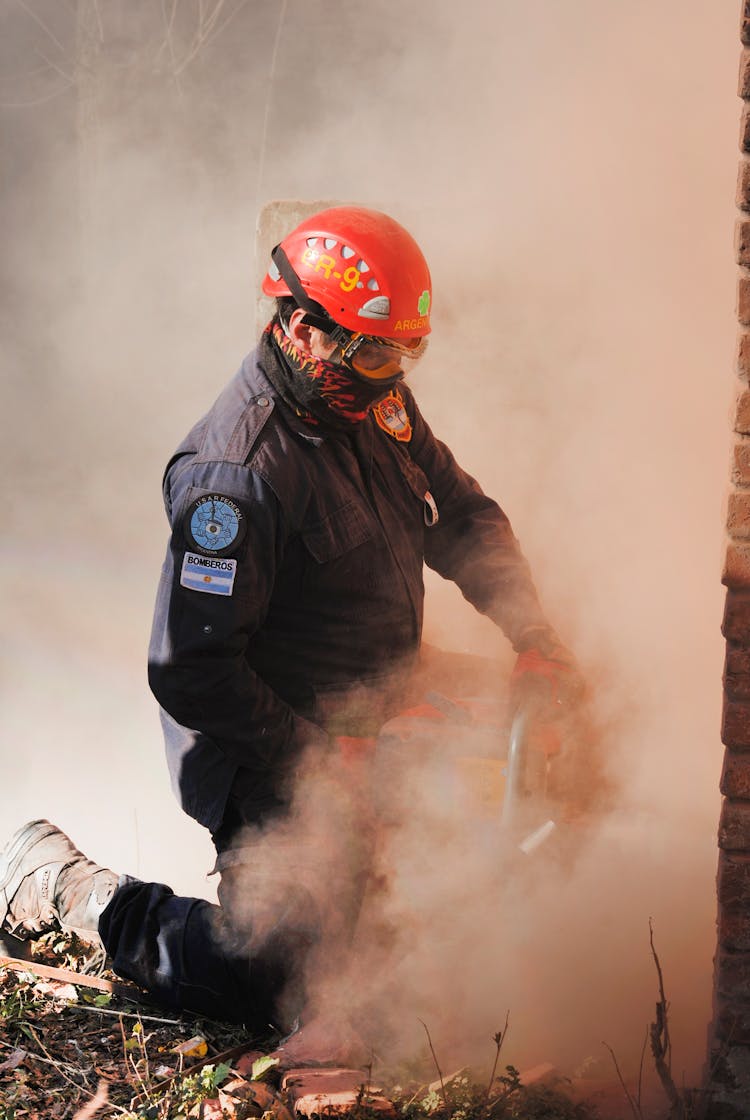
pixel 550 682
pixel 356 748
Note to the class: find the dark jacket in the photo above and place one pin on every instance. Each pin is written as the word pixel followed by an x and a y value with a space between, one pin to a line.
pixel 312 616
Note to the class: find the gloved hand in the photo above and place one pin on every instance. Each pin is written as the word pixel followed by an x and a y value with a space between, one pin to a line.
pixel 547 681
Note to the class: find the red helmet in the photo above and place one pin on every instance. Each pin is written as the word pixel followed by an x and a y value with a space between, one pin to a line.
pixel 362 267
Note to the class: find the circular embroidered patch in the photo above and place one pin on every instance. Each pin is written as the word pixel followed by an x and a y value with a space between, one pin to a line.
pixel 214 525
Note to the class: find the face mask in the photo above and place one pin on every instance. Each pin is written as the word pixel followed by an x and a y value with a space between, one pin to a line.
pixel 319 389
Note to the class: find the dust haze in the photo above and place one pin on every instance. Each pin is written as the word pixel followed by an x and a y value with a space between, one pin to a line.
pixel 569 173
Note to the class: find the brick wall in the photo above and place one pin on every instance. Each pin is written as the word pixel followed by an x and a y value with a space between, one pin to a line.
pixel 729 1059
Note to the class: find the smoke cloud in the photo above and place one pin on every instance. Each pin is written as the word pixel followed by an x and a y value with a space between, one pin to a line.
pixel 569 172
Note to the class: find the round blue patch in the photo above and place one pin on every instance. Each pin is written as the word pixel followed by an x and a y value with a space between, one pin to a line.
pixel 214 525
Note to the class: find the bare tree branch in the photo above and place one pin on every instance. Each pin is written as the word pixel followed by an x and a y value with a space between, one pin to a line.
pixel 498 1039
pixel 53 66
pixel 168 40
pixel 437 1067
pixel 99 21
pixel 640 1068
pixel 661 1045
pixel 40 23
pixel 207 31
pixel 267 109
pixel 36 100
pixel 634 1105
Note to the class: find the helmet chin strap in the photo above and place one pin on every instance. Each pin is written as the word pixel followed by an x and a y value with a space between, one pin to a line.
pixel 315 315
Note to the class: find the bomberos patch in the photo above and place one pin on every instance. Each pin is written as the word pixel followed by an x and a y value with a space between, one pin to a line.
pixel 213 574
pixel 214 525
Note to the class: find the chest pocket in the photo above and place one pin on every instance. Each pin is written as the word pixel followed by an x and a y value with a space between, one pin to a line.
pixel 420 487
pixel 338 533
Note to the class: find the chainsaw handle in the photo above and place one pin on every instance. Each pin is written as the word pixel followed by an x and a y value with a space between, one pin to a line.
pixel 518 749
pixel 519 766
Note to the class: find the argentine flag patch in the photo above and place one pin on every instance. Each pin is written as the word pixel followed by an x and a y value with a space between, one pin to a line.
pixel 208 573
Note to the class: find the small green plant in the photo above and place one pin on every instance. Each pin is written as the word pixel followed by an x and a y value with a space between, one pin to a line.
pixel 504 1098
pixel 176 1102
pixel 15 1004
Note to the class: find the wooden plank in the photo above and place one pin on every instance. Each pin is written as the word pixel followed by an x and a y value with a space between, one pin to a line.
pixel 67 976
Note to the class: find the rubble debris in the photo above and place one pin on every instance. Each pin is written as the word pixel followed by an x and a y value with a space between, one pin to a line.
pixel 328 1092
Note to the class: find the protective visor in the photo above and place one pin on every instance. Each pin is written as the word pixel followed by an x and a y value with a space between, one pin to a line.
pixel 378 359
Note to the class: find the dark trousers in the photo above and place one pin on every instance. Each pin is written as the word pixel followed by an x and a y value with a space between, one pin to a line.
pixel 246 959
pixel 242 961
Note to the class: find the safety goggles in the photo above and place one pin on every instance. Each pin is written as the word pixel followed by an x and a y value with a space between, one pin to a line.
pixel 377 359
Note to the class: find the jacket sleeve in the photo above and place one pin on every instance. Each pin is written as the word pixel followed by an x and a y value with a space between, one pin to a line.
pixel 198 669
pixel 473 544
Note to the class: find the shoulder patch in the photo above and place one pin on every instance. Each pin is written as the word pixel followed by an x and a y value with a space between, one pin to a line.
pixel 214 525
pixel 392 417
pixel 206 573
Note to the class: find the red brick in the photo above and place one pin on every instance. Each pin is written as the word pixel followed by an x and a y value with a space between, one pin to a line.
pixel 735 724
pixel 741 463
pixel 737 671
pixel 742 242
pixel 736 572
pixel 745 129
pixel 733 881
pixel 732 1024
pixel 734 834
pixel 745 23
pixel 743 296
pixel 735 775
pixel 729 1079
pixel 743 85
pixel 742 409
pixel 742 197
pixel 732 974
pixel 736 623
pixel 332 1092
pixel 733 928
pixel 743 359
pixel 738 515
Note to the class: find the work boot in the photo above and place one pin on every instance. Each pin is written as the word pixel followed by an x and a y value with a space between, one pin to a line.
pixel 46 883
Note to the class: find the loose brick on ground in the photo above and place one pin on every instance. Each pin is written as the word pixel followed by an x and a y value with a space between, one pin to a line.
pixel 332 1091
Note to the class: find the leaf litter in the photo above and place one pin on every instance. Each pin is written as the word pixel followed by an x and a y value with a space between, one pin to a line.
pixel 72 1052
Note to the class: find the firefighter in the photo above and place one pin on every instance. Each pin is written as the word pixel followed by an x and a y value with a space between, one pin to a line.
pixel 302 507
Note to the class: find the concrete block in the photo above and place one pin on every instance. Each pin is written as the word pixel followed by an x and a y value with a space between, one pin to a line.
pixel 275 221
